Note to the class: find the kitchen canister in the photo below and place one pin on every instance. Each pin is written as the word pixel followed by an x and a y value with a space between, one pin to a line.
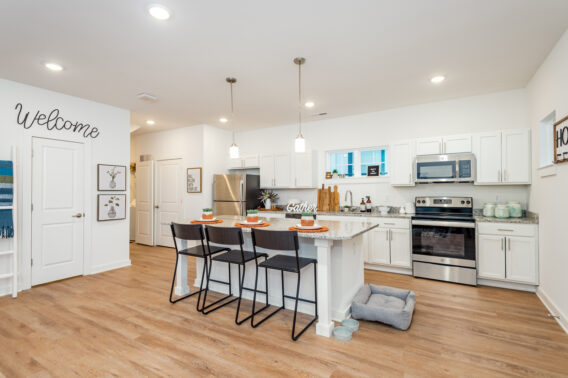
pixel 502 211
pixel 489 210
pixel 515 209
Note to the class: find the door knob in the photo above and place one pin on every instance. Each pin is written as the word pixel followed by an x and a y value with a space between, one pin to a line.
pixel 78 215
pixel 157 206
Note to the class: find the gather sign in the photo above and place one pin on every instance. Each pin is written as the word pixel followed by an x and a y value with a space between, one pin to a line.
pixel 53 121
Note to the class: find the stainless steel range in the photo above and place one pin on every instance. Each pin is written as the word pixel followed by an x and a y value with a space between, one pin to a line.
pixel 443 239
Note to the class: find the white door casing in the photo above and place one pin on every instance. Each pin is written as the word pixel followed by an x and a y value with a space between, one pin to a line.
pixel 168 199
pixel 145 202
pixel 58 205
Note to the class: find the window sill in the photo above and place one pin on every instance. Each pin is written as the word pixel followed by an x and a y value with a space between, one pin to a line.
pixel 547 170
pixel 357 180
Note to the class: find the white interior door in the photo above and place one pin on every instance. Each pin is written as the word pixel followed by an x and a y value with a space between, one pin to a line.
pixel 145 202
pixel 168 201
pixel 58 205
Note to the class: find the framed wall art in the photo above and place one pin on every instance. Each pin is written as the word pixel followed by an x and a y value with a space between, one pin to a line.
pixel 561 140
pixel 111 177
pixel 194 180
pixel 111 207
pixel 373 170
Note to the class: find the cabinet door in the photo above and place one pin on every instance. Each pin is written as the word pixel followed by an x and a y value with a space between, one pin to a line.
pixel 522 259
pixel 516 156
pixel 456 144
pixel 487 148
pixel 282 171
pixel 303 170
pixel 491 256
pixel 250 161
pixel 266 171
pixel 400 247
pixel 428 146
pixel 379 246
pixel 235 163
pixel 401 161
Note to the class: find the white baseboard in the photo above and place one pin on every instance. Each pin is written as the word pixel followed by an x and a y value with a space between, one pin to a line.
pixel 545 299
pixel 389 269
pixel 507 285
pixel 115 265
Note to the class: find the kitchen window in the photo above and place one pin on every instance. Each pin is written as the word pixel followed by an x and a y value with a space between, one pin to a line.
pixel 353 163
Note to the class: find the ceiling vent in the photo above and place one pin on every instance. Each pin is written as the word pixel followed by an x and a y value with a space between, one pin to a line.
pixel 146 97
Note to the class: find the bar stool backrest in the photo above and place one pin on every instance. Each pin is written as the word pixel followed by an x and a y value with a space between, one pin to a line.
pixel 187 232
pixel 276 240
pixel 224 235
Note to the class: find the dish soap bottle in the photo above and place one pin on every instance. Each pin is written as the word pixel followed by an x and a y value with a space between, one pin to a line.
pixel 368 205
pixel 362 206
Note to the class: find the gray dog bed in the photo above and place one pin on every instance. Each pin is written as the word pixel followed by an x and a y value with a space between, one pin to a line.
pixel 384 304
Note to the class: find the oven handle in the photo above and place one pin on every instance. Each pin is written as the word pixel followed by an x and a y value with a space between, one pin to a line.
pixel 443 224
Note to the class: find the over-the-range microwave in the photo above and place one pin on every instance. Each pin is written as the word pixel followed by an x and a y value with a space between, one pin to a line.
pixel 446 168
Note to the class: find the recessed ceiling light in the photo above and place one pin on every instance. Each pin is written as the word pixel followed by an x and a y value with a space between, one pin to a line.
pixel 309 104
pixel 54 66
pixel 150 122
pixel 159 12
pixel 437 79
pixel 223 120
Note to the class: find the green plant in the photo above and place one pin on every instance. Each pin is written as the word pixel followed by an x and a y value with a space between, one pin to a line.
pixel 113 201
pixel 334 171
pixel 252 211
pixel 206 210
pixel 307 214
pixel 268 194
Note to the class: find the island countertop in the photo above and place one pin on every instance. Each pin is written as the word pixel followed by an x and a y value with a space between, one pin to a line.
pixel 338 230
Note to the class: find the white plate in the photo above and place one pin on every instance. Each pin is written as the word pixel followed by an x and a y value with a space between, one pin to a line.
pixel 314 227
pixel 252 223
pixel 207 220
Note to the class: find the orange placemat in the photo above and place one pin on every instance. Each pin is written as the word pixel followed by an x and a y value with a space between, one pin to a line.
pixel 323 229
pixel 201 222
pixel 264 224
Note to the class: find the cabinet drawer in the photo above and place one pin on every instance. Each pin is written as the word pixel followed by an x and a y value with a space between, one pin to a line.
pixel 507 229
pixel 392 222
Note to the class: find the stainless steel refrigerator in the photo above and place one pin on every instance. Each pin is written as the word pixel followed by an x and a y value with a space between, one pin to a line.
pixel 234 194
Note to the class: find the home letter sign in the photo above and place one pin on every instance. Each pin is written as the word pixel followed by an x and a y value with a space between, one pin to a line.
pixel 561 140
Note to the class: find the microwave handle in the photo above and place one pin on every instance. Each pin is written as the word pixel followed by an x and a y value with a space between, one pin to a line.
pixel 457 169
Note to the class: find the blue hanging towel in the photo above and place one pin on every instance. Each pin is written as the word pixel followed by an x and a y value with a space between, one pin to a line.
pixel 6 198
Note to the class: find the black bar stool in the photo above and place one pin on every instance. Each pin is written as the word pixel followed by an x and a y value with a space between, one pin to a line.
pixel 230 236
pixel 191 232
pixel 284 241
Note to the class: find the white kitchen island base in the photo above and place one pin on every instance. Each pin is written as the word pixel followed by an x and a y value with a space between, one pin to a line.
pixel 340 271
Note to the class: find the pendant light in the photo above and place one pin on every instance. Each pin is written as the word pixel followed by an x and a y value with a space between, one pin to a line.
pixel 234 149
pixel 300 143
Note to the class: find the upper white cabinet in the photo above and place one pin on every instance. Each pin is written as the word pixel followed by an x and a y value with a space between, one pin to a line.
pixel 245 162
pixel 503 157
pixel 443 145
pixel 401 160
pixel 287 170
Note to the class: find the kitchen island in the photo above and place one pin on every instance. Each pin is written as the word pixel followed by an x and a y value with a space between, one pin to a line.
pixel 340 269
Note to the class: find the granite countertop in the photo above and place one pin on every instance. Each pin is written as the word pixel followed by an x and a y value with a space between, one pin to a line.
pixel 529 218
pixel 374 214
pixel 337 230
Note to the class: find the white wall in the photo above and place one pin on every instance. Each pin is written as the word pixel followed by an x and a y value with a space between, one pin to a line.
pixel 107 244
pixel 498 111
pixel 547 92
pixel 198 146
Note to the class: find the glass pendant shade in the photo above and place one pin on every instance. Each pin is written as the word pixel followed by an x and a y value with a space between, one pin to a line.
pixel 300 144
pixel 234 151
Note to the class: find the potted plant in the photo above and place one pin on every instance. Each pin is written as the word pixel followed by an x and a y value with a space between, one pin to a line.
pixel 113 173
pixel 252 216
pixel 307 220
pixel 334 173
pixel 267 196
pixel 207 213
pixel 112 202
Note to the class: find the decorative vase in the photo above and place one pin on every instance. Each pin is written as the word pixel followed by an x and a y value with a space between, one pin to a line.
pixel 112 212
pixel 112 183
pixel 267 203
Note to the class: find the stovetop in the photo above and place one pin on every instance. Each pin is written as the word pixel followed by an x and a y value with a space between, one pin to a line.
pixel 444 208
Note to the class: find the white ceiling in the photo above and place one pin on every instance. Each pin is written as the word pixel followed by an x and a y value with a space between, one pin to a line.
pixel 361 56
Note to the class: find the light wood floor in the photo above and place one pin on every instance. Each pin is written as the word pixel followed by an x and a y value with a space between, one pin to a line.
pixel 121 323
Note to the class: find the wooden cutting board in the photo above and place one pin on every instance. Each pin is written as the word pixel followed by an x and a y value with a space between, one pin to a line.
pixel 335 199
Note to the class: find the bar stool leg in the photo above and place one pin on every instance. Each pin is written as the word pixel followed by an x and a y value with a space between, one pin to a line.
pixel 172 300
pixel 204 307
pixel 253 325
pixel 296 337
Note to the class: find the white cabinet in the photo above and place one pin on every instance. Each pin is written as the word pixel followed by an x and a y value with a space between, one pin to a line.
pixel 282 171
pixel 400 247
pixel 401 160
pixel 379 246
pixel 443 145
pixel 516 156
pixel 389 244
pixel 429 146
pixel 305 165
pixel 508 252
pixel 244 162
pixel 503 157
pixel 267 171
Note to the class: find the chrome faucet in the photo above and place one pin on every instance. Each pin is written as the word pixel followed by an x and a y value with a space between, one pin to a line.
pixel 348 192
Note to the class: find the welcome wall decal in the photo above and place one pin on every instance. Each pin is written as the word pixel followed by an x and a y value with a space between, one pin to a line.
pixel 53 121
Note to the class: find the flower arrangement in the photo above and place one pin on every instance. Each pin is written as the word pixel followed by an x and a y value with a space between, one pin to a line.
pixel 112 202
pixel 267 196
pixel 113 172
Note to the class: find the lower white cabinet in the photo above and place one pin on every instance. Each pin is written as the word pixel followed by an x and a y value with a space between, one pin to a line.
pixel 508 252
pixel 400 247
pixel 389 244
pixel 378 246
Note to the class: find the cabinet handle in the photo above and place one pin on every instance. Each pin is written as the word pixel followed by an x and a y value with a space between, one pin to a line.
pixel 387 234
pixel 444 147
pixel 509 244
pixel 504 175
pixel 392 224
pixel 499 175
pixel 505 230
pixel 502 243
pixel 390 234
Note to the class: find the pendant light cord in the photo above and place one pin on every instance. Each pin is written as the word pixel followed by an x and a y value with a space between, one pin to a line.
pixel 232 111
pixel 300 99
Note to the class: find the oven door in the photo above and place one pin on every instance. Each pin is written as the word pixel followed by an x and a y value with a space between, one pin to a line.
pixel 444 242
pixel 436 171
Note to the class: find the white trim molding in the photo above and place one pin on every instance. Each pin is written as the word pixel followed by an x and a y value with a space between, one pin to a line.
pixel 560 317
pixel 114 265
pixel 547 170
